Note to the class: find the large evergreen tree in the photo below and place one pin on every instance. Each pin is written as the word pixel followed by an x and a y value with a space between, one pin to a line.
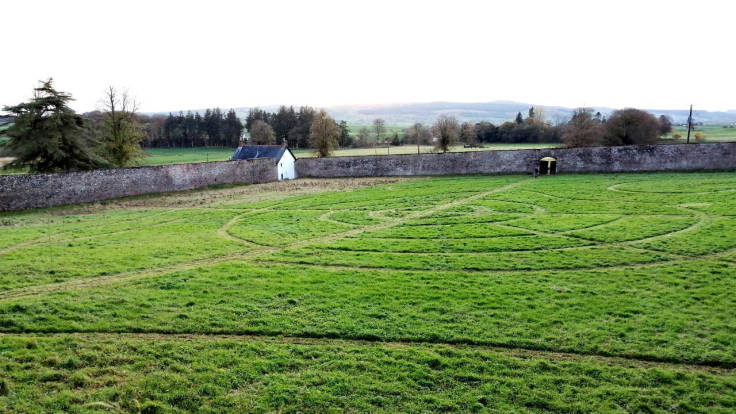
pixel 256 114
pixel 299 135
pixel 344 140
pixel 283 121
pixel 231 129
pixel 48 136
pixel 194 130
pixel 214 125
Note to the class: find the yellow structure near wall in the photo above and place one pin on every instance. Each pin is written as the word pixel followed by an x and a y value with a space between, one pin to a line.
pixel 547 166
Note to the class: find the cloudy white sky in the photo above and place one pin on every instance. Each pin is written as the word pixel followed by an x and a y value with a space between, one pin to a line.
pixel 194 54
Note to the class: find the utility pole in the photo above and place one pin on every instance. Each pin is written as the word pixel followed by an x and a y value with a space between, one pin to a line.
pixel 689 123
pixel 416 132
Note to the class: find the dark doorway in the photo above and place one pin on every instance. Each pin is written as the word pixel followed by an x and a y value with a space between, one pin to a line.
pixel 547 166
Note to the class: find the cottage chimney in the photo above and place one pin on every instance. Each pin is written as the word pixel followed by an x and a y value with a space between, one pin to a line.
pixel 285 144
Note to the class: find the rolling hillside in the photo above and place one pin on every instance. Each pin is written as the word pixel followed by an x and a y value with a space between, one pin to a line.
pixel 496 112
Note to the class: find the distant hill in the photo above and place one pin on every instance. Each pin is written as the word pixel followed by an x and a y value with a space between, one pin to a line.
pixel 405 114
pixel 495 112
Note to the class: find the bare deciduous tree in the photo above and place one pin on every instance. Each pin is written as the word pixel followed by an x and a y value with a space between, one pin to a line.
pixel 418 134
pixel 379 127
pixel 122 133
pixel 468 135
pixel 363 136
pixel 446 130
pixel 323 134
pixel 261 133
pixel 583 129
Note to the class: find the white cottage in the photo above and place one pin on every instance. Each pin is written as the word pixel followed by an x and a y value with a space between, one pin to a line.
pixel 284 157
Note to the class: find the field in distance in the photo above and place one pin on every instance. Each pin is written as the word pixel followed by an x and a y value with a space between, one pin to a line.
pixel 574 293
pixel 162 156
pixel 711 133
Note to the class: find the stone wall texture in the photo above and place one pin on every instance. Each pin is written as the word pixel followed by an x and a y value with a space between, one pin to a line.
pixel 23 191
pixel 680 157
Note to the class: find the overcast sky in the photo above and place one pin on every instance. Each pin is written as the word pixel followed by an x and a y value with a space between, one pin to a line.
pixel 197 54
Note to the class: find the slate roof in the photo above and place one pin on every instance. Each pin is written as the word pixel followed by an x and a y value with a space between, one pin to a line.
pixel 247 152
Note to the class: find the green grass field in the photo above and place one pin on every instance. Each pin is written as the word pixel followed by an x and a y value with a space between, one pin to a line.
pixel 389 132
pixel 577 293
pixel 711 133
pixel 162 156
pixel 412 149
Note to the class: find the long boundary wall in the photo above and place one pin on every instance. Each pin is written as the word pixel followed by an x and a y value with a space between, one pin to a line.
pixel 680 157
pixel 23 191
pixel 45 190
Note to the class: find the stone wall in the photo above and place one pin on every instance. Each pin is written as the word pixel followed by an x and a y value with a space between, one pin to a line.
pixel 23 191
pixel 680 157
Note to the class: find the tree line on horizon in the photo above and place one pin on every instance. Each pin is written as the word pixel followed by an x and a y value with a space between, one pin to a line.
pixel 48 136
pixel 628 126
pixel 293 126
pixel 290 125
pixel 212 129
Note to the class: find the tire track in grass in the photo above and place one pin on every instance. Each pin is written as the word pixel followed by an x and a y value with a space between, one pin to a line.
pixel 593 226
pixel 82 283
pixel 225 234
pixel 703 220
pixel 96 281
pixel 615 188
pixel 522 350
pixel 473 271
pixel 623 244
pixel 51 238
pixel 720 256
pixel 90 237
pixel 326 218
pixel 517 350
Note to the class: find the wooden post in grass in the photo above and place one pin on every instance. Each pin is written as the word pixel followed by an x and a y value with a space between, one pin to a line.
pixel 689 123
